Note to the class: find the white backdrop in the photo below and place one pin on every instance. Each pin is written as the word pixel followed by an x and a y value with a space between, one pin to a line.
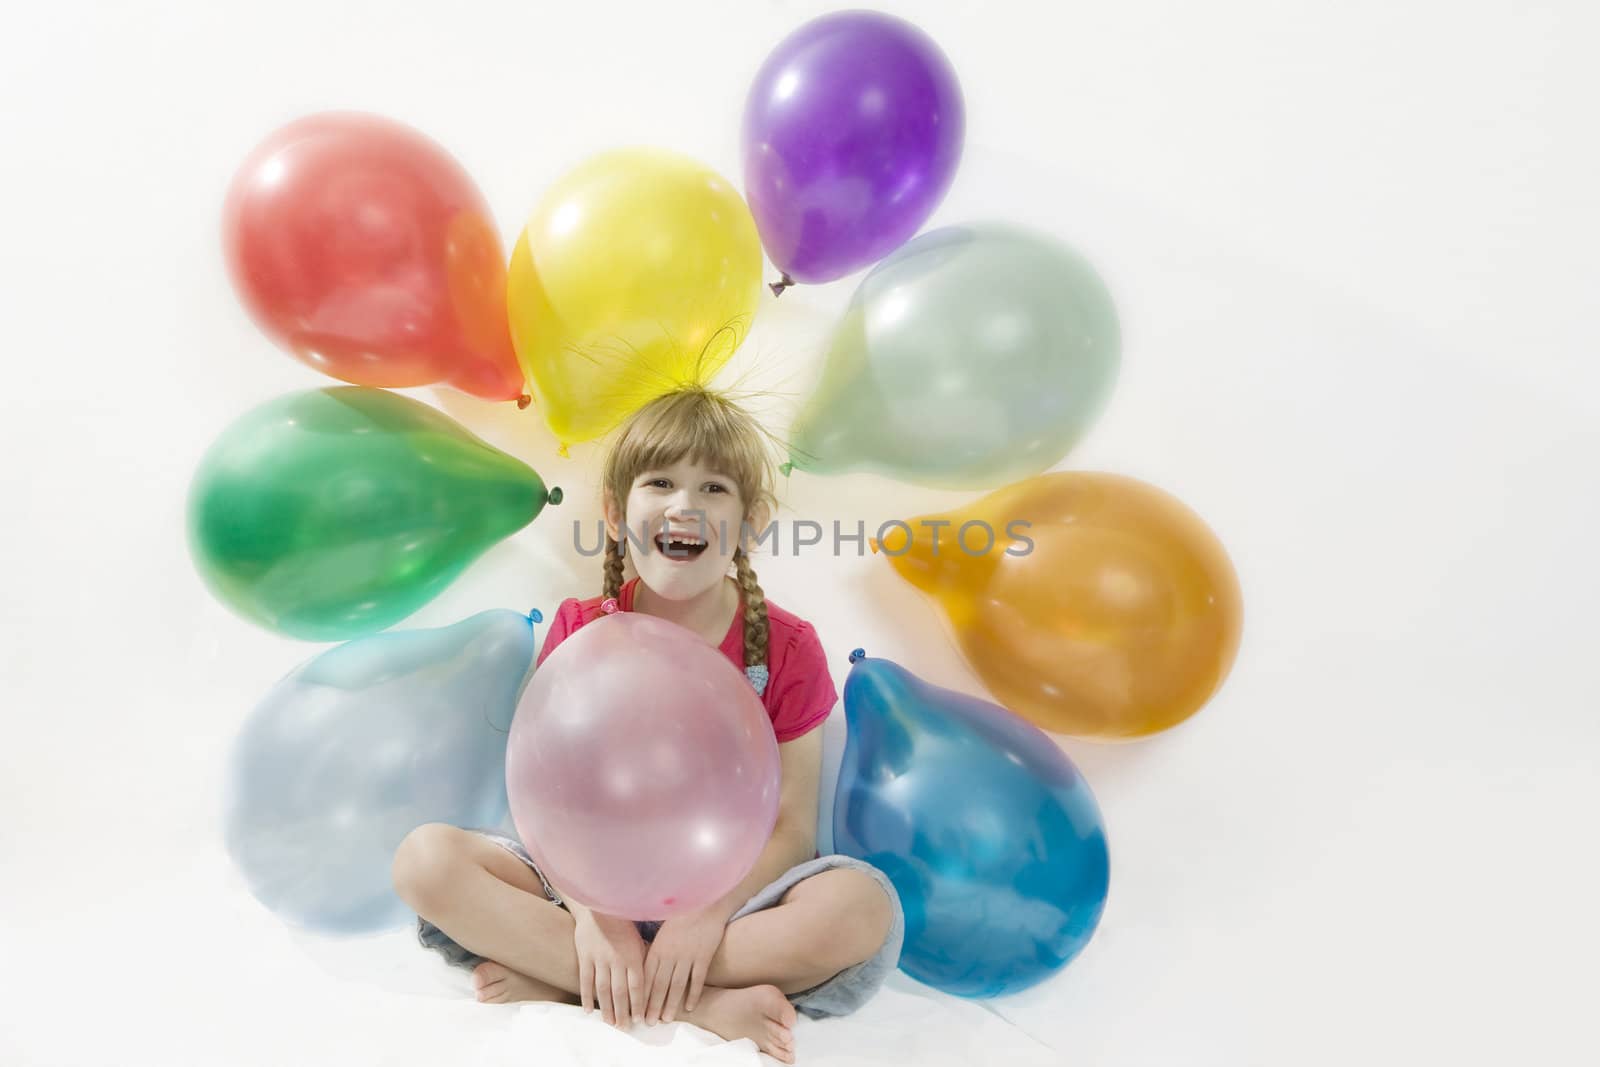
pixel 1353 247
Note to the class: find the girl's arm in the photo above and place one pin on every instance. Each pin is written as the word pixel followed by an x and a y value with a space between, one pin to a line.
pixel 794 838
pixel 610 963
pixel 579 912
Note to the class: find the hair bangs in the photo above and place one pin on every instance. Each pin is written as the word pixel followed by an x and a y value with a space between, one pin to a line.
pixel 697 425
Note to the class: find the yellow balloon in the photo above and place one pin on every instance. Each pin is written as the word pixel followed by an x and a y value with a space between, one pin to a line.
pixel 639 272
pixel 1105 608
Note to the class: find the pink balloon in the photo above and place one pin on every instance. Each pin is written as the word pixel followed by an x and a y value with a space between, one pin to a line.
pixel 642 770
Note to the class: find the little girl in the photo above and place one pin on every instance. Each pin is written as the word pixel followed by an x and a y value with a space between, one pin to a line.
pixel 689 476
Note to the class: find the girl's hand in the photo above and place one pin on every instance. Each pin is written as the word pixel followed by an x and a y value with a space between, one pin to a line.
pixel 678 961
pixel 610 967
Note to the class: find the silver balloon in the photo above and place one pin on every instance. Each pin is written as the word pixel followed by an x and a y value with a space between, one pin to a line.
pixel 361 745
pixel 971 357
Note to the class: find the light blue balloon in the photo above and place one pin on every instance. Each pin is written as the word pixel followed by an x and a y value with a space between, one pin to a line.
pixel 971 357
pixel 989 833
pixel 361 745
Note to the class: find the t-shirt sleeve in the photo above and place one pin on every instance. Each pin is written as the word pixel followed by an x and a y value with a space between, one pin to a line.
pixel 804 693
pixel 563 624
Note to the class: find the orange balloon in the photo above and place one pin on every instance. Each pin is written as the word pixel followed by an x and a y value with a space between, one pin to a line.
pixel 1105 609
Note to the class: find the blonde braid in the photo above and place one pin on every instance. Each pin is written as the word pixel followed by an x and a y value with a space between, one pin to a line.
pixel 613 568
pixel 755 611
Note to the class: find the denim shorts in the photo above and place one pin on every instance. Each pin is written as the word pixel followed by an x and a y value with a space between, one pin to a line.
pixel 839 995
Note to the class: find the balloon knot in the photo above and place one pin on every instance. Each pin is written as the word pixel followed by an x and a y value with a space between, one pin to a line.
pixel 785 469
pixel 873 542
pixel 535 616
pixel 523 401
pixel 562 451
pixel 859 653
pixel 778 287
pixel 556 496
pixel 609 605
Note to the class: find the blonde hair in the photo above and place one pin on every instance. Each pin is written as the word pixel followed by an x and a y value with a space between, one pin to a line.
pixel 710 429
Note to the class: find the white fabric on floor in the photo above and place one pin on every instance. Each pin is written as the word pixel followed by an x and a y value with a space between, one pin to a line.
pixel 906 1022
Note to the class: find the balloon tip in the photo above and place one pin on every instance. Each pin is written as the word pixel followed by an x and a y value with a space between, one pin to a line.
pixel 785 469
pixel 872 543
pixel 779 286
pixel 562 451
pixel 556 495
pixel 536 616
pixel 523 401
pixel 859 653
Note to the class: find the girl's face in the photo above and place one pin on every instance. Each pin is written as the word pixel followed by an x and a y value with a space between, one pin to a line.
pixel 683 523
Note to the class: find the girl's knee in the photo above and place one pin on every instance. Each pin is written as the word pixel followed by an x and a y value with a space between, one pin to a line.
pixel 423 864
pixel 869 918
pixel 859 912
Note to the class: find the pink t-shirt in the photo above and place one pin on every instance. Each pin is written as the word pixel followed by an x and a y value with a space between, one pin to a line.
pixel 799 693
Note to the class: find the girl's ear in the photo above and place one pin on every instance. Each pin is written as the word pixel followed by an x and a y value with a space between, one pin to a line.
pixel 756 522
pixel 613 519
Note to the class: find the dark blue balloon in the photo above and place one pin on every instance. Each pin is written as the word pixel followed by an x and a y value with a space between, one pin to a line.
pixel 987 830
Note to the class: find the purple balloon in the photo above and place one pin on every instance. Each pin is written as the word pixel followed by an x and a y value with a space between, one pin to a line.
pixel 642 770
pixel 852 132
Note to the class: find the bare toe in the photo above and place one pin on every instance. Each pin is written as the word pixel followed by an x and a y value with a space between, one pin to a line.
pixel 488 973
pixel 499 984
pixel 782 1042
pixel 780 1022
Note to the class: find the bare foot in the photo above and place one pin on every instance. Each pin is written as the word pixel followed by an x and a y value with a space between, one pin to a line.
pixel 762 1013
pixel 499 984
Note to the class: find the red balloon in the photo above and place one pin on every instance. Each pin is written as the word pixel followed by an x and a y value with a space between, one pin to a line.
pixel 362 247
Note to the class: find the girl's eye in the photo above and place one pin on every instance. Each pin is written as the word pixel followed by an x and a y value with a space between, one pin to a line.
pixel 659 481
pixel 716 487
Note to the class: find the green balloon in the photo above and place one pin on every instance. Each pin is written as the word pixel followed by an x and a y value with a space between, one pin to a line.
pixel 334 513
pixel 971 357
